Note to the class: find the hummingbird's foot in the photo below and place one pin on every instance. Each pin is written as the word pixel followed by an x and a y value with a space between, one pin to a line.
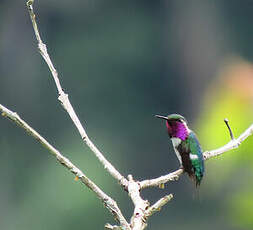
pixel 181 167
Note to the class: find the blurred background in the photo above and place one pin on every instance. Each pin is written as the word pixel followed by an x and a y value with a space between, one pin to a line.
pixel 122 62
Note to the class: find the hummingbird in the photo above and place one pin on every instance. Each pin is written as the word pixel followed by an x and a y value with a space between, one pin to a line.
pixel 186 146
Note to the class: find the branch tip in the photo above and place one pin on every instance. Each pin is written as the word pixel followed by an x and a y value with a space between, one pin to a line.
pixel 229 128
pixel 156 207
pixel 130 177
pixel 29 3
pixel 113 227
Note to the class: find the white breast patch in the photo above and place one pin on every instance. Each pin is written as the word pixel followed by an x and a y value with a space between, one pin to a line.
pixel 176 142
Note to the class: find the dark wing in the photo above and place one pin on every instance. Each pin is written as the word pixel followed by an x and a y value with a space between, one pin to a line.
pixel 197 157
pixel 184 151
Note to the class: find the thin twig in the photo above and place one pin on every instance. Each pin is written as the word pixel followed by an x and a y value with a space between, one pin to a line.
pixel 229 129
pixel 233 144
pixel 112 227
pixel 63 98
pixel 109 203
pixel 158 205
pixel 161 180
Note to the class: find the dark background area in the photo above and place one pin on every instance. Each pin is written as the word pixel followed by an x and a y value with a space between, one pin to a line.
pixel 122 62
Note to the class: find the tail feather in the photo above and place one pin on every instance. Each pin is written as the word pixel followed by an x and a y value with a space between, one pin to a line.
pixel 196 174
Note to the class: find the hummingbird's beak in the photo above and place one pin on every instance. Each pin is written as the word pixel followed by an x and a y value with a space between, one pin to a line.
pixel 161 117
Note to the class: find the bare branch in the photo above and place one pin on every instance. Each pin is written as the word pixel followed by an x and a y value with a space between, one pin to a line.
pixel 161 180
pixel 158 205
pixel 109 203
pixel 143 210
pixel 234 143
pixel 63 98
pixel 138 220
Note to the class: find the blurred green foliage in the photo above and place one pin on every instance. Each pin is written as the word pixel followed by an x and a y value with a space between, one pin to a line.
pixel 233 99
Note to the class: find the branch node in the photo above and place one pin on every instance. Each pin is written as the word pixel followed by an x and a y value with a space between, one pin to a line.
pixel 236 143
pixel 29 3
pixel 130 177
pixel 63 98
pixel 42 48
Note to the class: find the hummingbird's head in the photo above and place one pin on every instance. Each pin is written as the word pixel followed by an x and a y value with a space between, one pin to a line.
pixel 176 126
